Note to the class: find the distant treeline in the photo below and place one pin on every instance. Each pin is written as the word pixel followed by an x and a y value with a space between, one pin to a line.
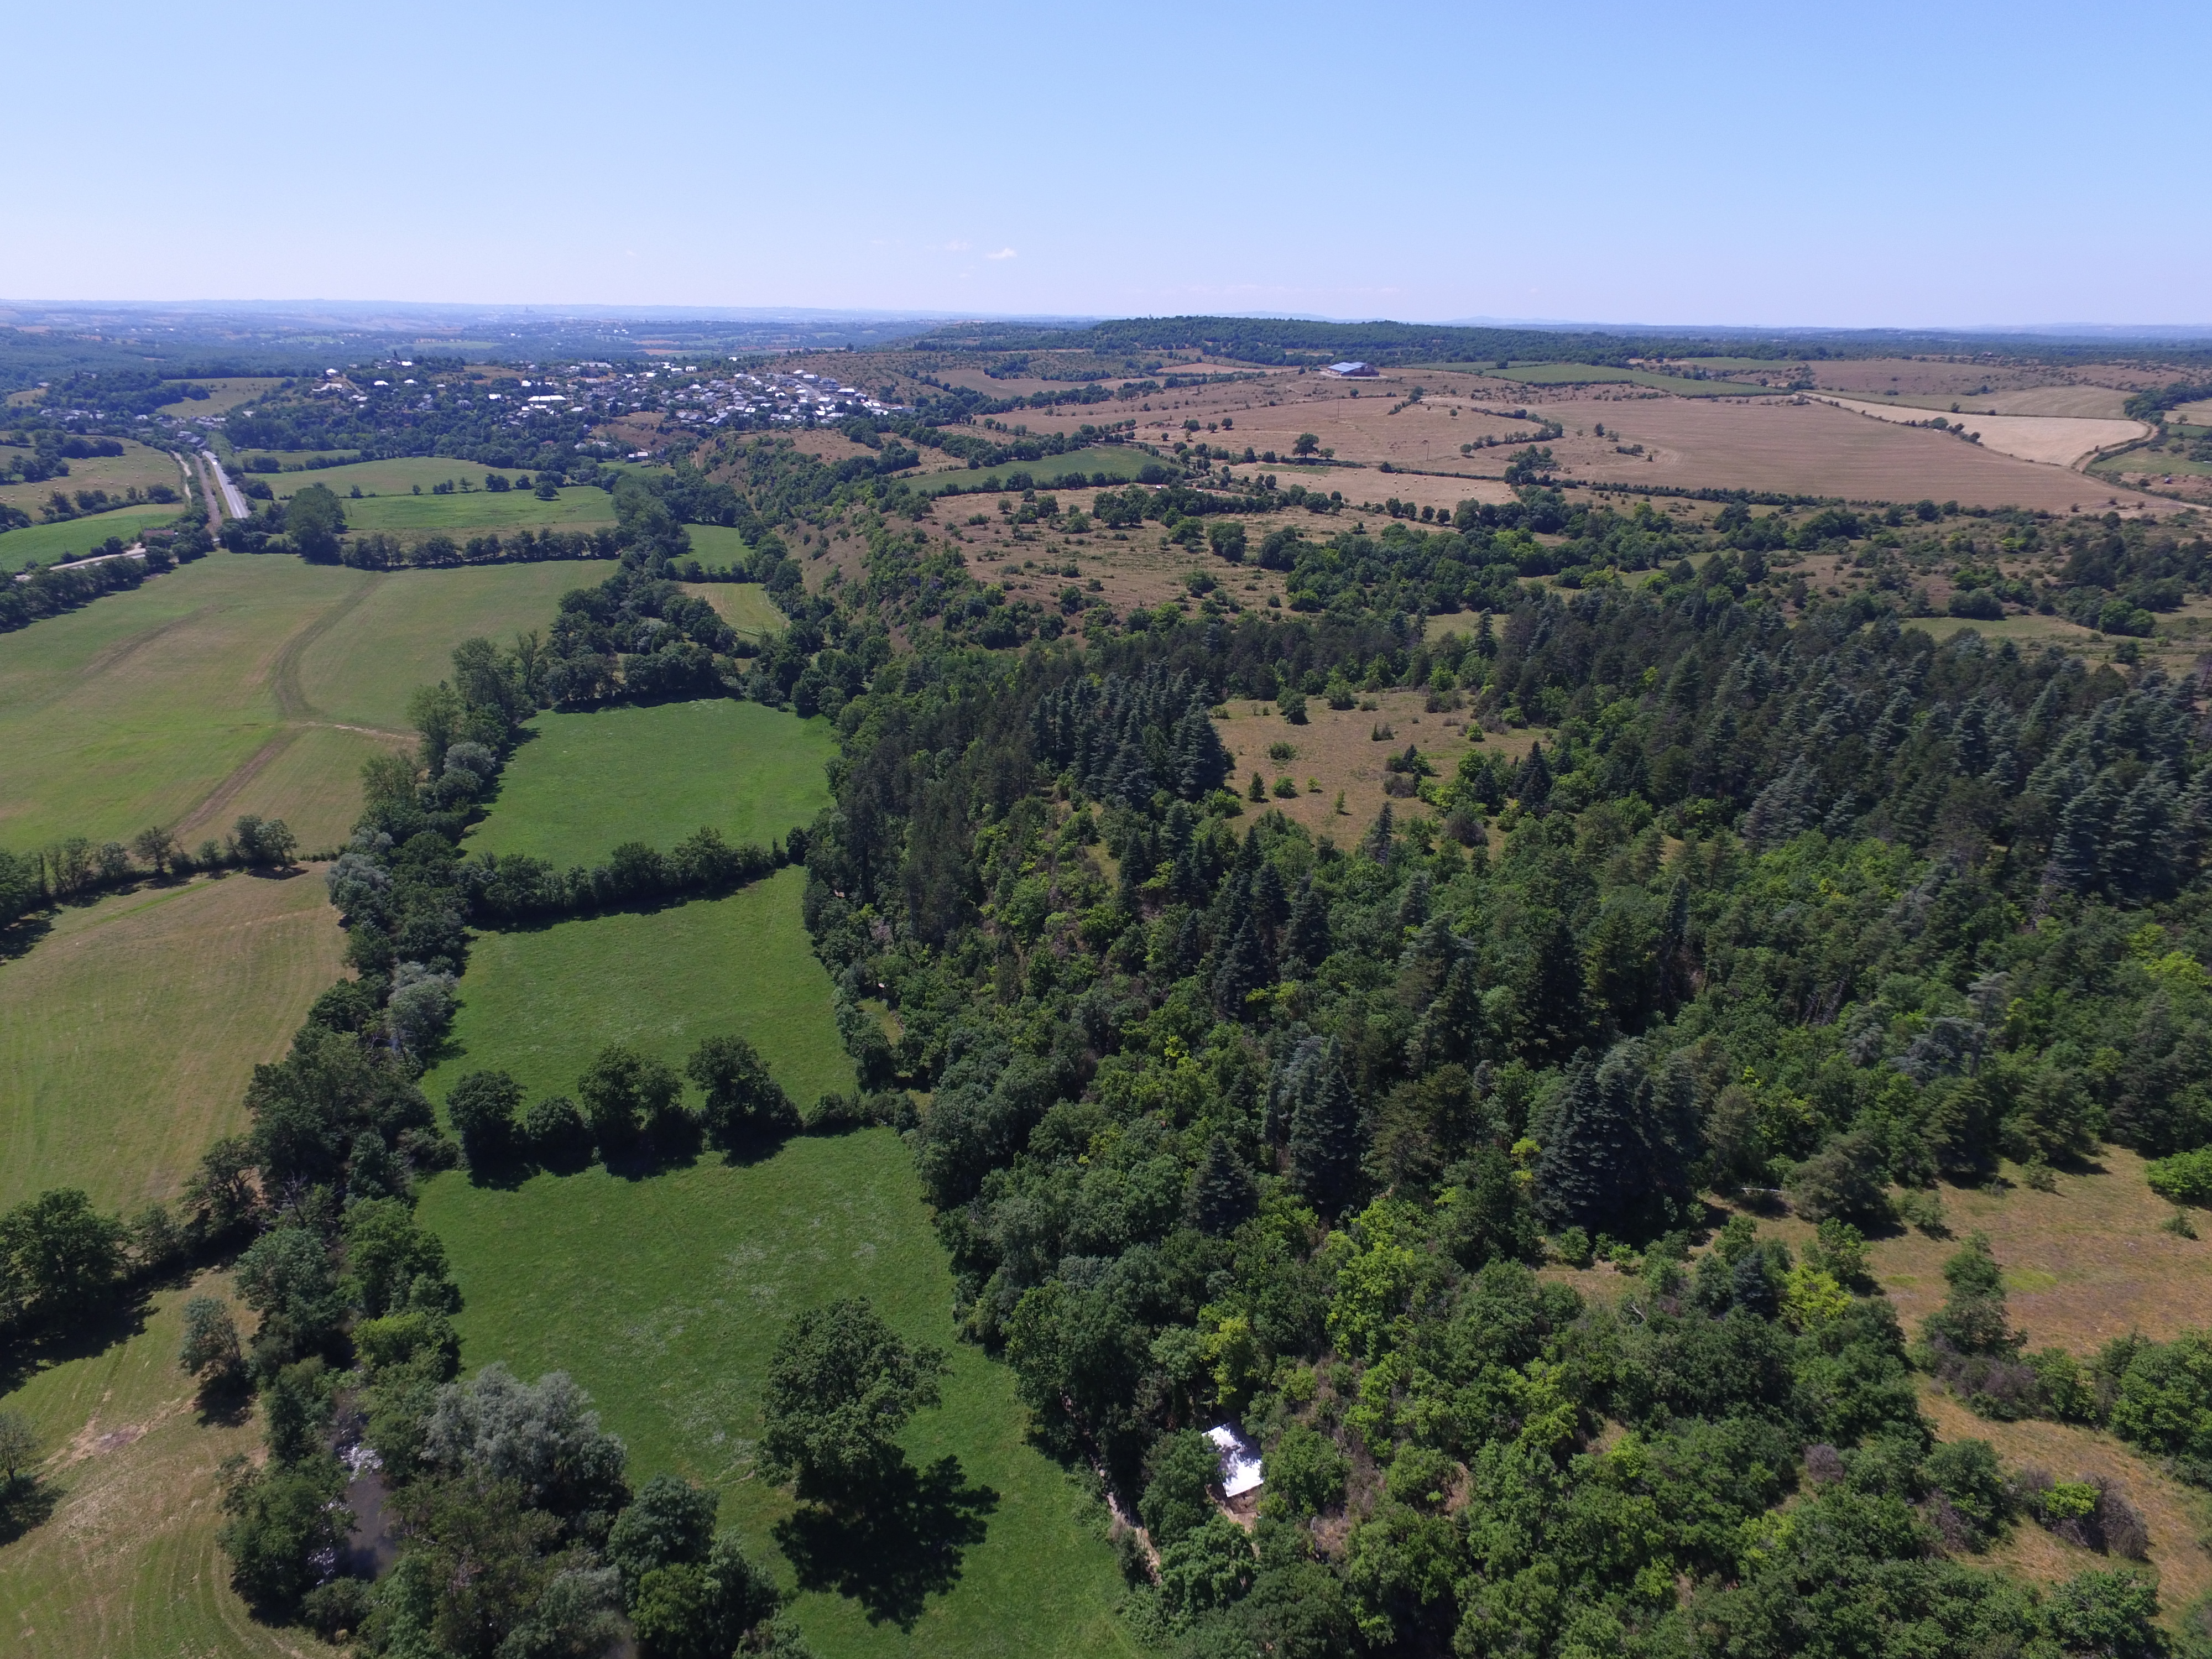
pixel 1283 342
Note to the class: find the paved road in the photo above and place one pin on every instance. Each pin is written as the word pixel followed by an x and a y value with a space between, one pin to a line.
pixel 233 502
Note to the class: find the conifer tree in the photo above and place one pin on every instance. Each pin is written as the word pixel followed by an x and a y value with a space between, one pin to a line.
pixel 1223 1193
pixel 1324 1125
pixel 1306 942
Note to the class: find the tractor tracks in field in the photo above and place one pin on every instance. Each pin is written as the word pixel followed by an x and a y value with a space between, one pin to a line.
pixel 294 711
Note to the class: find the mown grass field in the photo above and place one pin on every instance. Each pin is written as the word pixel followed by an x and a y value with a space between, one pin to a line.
pixel 398 476
pixel 402 632
pixel 224 686
pixel 139 466
pixel 573 509
pixel 664 1296
pixel 127 1032
pixel 72 539
pixel 126 1566
pixel 585 783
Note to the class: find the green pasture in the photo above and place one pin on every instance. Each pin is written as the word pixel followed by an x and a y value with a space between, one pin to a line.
pixel 539 1002
pixel 1591 374
pixel 225 394
pixel 2139 463
pixel 398 475
pixel 663 1295
pixel 744 605
pixel 139 466
pixel 402 632
pixel 72 539
pixel 587 783
pixel 574 508
pixel 224 687
pixel 130 1030
pixel 126 1566
pixel 718 545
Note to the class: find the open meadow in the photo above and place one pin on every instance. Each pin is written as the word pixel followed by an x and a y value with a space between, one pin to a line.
pixel 662 1295
pixel 128 1031
pixel 73 539
pixel 140 466
pixel 235 684
pixel 400 475
pixel 744 605
pixel 127 1566
pixel 585 783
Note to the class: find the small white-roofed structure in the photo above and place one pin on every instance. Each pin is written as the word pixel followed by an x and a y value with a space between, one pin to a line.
pixel 1240 1464
pixel 1353 371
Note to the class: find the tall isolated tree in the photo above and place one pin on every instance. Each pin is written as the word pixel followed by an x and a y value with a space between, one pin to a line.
pixel 1617 1144
pixel 841 1386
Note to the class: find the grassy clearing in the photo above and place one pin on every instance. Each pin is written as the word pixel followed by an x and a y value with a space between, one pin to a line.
pixel 664 1296
pixel 2171 1511
pixel 72 539
pixel 128 1033
pixel 127 1566
pixel 2084 1264
pixel 718 545
pixel 744 605
pixel 398 475
pixel 151 706
pixel 540 1002
pixel 589 782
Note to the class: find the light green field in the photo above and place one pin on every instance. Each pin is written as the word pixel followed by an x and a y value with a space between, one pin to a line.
pixel 128 1033
pixel 225 686
pixel 717 544
pixel 1591 374
pixel 402 633
pixel 1119 462
pixel 744 605
pixel 225 395
pixel 396 477
pixel 72 539
pixel 664 1296
pixel 574 508
pixel 587 783
pixel 139 466
pixel 539 1002
pixel 127 1566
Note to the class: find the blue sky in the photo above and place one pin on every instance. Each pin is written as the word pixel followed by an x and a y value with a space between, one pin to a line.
pixel 1862 164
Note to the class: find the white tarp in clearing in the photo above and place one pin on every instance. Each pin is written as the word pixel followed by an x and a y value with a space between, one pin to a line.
pixel 1240 1464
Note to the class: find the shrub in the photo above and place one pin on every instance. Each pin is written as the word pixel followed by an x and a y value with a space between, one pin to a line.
pixel 2185 1178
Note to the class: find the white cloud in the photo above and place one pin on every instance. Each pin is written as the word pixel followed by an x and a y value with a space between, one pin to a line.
pixel 956 247
pixel 1003 254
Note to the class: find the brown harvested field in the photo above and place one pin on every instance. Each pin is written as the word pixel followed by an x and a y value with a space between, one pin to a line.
pixel 2083 1264
pixel 2171 1511
pixel 1810 447
pixel 2050 439
pixel 1337 750
pixel 2103 403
